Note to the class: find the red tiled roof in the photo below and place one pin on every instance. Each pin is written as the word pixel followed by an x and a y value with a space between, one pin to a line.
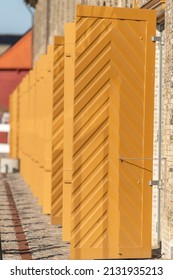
pixel 19 56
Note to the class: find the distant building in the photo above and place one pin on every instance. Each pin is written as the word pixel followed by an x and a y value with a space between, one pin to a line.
pixel 6 41
pixel 15 62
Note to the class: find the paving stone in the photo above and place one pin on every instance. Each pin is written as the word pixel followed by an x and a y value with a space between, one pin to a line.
pixel 44 239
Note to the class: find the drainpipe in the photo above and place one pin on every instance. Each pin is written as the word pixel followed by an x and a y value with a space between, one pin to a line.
pixel 159 39
pixel 159 181
pixel 160 135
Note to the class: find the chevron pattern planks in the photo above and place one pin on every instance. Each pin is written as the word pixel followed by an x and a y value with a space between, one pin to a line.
pixel 113 93
pixel 91 133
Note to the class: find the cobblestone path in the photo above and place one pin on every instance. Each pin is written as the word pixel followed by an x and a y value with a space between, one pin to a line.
pixel 43 239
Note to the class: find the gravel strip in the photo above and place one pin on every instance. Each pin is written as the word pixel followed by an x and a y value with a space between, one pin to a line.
pixel 44 239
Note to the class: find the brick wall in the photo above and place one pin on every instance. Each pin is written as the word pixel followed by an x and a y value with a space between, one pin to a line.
pixel 40 29
pixel 49 20
pixel 158 58
pixel 155 149
pixel 167 138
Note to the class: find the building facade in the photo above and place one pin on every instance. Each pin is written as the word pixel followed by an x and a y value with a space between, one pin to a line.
pixel 15 63
pixel 49 20
pixel 167 137
pixel 6 41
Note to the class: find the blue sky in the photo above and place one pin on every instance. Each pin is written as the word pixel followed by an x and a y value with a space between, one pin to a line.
pixel 14 17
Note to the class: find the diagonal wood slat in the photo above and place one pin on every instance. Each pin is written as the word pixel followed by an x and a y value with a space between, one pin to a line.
pixel 108 200
pixel 57 132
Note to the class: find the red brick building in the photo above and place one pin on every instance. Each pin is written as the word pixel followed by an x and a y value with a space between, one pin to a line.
pixel 15 63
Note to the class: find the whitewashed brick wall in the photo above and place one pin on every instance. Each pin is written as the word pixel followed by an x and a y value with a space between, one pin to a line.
pixel 167 167
pixel 155 150
pixel 156 137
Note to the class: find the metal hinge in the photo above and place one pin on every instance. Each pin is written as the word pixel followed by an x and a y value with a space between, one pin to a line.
pixel 158 39
pixel 154 183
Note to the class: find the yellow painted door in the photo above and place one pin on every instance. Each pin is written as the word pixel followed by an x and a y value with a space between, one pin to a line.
pixel 107 176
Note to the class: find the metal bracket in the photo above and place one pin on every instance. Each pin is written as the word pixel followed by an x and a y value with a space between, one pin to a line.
pixel 154 183
pixel 156 38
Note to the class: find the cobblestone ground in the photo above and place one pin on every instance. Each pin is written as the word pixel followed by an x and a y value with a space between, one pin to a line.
pixel 44 239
